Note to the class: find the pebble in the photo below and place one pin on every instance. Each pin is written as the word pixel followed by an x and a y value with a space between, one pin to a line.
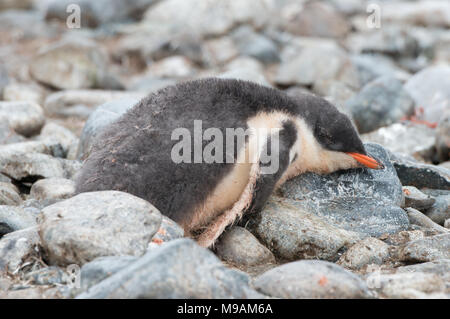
pixel 427 249
pixel 26 118
pixel 53 188
pixel 366 252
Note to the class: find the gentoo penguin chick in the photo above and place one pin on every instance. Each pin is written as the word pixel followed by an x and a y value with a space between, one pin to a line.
pixel 204 152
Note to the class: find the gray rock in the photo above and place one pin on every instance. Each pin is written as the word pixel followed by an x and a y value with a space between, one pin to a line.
pixel 366 252
pixel 9 194
pixel 101 268
pixel 168 230
pixel 16 4
pixel 311 279
pixel 33 166
pixel 49 147
pixel 416 199
pixel 403 237
pixel 447 223
pixel 349 199
pixel 46 276
pixel 70 64
pixel 15 247
pixel 292 233
pixel 413 173
pixel 91 225
pixel 104 115
pixel 26 118
pixel 208 18
pixel 177 66
pixel 63 136
pixel 220 50
pixel 4 79
pixel 81 103
pixel 99 12
pixel 308 69
pixel 7 133
pixel 380 103
pixel 239 247
pixel 427 249
pixel 255 45
pixel 443 138
pixel 149 84
pixel 417 218
pixel 406 285
pixel 424 13
pixel 440 211
pixel 438 267
pixel 23 92
pixel 317 19
pixel 246 75
pixel 397 138
pixel 430 89
pixel 14 218
pixel 53 188
pixel 171 272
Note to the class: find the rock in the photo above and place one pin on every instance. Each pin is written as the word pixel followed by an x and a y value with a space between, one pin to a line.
pixel 427 249
pixel 46 276
pixel 53 188
pixel 416 199
pixel 7 134
pixel 292 233
pixel 173 67
pixel 9 194
pixel 26 118
pixel 171 272
pixel 255 45
pixel 447 223
pixel 308 69
pixel 23 92
pixel 440 211
pixel 420 175
pixel 429 89
pixel 372 66
pixel 91 225
pixel 149 84
pixel 168 230
pixel 220 50
pixel 349 199
pixel 98 12
pixel 101 268
pixel 16 4
pixel 238 246
pixel 26 167
pixel 429 13
pixel 366 252
pixel 311 279
pixel 16 247
pixel 208 18
pixel 406 285
pixel 417 218
pixel 50 147
pixel 317 19
pixel 443 139
pixel 4 79
pixel 81 102
pixel 397 138
pixel 403 237
pixel 104 115
pixel 61 135
pixel 380 103
pixel 438 267
pixel 14 218
pixel 246 75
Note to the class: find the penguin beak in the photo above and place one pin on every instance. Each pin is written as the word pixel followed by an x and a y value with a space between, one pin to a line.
pixel 367 161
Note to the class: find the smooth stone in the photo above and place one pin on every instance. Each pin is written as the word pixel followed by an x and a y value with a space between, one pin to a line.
pixel 429 13
pixel 427 249
pixel 250 43
pixel 91 225
pixel 366 252
pixel 403 237
pixel 440 211
pixel 15 247
pixel 49 147
pixel 23 92
pixel 103 115
pixel 26 118
pixel 176 66
pixel 53 188
pixel 397 138
pixel 348 199
pixel 171 272
pixel 60 134
pixel 292 233
pixel 413 173
pixel 416 199
pixel 7 133
pixel 238 246
pixel 420 219
pixel 168 230
pixel 219 51
pixel 4 79
pixel 447 223
pixel 9 194
pixel 443 138
pixel 311 279
pixel 14 218
pixel 380 102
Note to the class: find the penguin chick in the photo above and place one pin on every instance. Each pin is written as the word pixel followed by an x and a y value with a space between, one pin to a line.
pixel 157 150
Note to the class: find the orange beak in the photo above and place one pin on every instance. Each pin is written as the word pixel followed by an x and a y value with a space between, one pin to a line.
pixel 366 161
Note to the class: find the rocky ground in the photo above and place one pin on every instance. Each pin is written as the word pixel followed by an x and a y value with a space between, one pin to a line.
pixel 353 234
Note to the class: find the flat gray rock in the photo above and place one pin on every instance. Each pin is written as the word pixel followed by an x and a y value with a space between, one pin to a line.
pixel 14 218
pixel 416 199
pixel 91 225
pixel 311 279
pixel 440 211
pixel 366 252
pixel 178 269
pixel 427 249
pixel 359 200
